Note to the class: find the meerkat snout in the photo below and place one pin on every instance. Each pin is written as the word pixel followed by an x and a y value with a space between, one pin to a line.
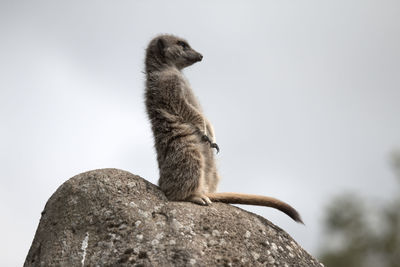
pixel 192 56
pixel 199 56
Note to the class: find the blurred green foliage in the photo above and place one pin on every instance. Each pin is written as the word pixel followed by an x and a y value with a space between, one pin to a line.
pixel 359 234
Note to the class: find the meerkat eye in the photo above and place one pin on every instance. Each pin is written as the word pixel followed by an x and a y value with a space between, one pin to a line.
pixel 183 44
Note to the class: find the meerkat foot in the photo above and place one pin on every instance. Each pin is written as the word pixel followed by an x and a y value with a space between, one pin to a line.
pixel 200 199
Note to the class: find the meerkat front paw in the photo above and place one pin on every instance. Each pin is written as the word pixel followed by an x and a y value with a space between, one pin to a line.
pixel 207 139
pixel 200 199
pixel 214 145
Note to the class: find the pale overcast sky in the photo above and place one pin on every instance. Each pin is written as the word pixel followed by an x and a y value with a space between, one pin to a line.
pixel 303 95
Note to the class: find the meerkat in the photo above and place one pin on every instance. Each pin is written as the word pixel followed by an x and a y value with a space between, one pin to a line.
pixel 184 138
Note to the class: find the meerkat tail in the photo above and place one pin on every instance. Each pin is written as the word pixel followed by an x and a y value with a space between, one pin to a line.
pixel 247 199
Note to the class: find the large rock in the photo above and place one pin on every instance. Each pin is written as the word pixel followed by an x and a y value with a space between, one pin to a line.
pixel 112 217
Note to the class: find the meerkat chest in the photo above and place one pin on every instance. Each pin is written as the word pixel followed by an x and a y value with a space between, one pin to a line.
pixel 184 86
pixel 189 95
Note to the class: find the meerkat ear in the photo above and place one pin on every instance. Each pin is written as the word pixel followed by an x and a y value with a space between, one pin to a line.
pixel 161 46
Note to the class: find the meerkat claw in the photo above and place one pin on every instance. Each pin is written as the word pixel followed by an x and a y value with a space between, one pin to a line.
pixel 207 200
pixel 214 145
pixel 205 138
pixel 200 199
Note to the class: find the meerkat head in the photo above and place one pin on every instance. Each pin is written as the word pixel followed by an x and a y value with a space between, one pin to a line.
pixel 170 50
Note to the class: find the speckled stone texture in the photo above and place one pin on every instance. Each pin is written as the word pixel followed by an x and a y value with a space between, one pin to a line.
pixel 111 217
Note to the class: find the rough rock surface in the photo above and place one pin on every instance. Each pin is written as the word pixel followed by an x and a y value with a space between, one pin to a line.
pixel 110 217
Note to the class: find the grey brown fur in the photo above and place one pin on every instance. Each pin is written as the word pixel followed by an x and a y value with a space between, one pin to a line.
pixel 184 138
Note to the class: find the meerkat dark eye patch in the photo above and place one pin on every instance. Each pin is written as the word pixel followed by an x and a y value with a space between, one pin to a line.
pixel 183 44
